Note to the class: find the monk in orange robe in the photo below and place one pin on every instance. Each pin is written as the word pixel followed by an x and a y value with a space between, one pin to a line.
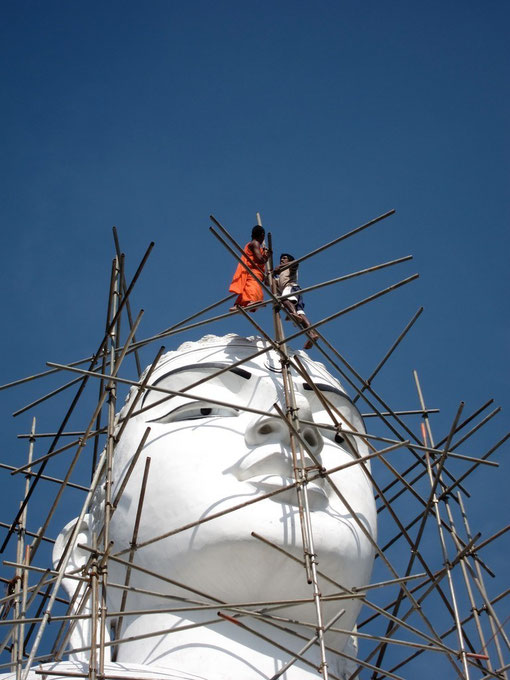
pixel 255 256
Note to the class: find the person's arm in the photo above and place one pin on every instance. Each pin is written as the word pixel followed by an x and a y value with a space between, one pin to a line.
pixel 259 255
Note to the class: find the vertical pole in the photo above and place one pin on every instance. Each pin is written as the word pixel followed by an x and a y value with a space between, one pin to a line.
pixel 134 538
pixel 110 442
pixel 481 588
pixel 300 473
pixel 94 579
pixel 467 583
pixel 20 587
pixel 435 504
pixel 103 363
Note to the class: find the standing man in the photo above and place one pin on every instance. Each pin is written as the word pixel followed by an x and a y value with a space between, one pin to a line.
pixel 248 290
pixel 287 284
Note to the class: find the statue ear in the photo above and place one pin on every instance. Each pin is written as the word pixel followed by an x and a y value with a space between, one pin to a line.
pixel 78 556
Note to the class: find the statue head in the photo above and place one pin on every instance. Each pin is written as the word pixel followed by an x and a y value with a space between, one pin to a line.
pixel 215 453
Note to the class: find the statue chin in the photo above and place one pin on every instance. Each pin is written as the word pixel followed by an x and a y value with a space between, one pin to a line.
pixel 204 460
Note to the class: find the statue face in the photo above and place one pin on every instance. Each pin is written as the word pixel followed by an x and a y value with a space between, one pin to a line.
pixel 206 458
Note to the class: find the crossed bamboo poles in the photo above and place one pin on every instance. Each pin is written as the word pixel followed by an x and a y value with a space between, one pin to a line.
pixel 430 460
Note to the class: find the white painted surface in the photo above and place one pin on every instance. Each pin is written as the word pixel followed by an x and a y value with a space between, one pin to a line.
pixel 203 462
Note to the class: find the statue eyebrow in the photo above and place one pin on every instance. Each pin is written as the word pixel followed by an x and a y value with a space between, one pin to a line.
pixel 323 387
pixel 243 373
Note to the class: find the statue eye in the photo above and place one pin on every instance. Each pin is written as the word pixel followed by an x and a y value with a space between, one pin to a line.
pixel 196 410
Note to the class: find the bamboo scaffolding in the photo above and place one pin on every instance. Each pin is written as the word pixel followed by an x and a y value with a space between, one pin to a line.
pixel 180 328
pixel 409 412
pixel 55 452
pixel 38 435
pixel 469 590
pixel 123 288
pixel 110 442
pixel 310 643
pixel 76 397
pixel 134 538
pixel 63 564
pixel 45 478
pixel 367 603
pixel 444 634
pixel 42 399
pixel 372 392
pixel 435 480
pixel 20 588
pixel 367 534
pixel 388 354
pixel 275 604
pixel 345 236
pixel 354 453
pixel 82 444
pixel 432 460
pixel 137 346
pixel 414 545
pixel 197 397
pixel 496 626
pixel 104 359
pixel 300 475
pixel 457 443
pixel 460 427
pixel 115 503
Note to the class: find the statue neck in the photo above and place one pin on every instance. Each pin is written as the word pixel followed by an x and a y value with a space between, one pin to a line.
pixel 204 646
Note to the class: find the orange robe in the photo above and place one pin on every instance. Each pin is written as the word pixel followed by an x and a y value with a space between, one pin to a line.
pixel 247 288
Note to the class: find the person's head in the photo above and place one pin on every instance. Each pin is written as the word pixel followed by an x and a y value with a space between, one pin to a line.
pixel 285 258
pixel 208 457
pixel 258 233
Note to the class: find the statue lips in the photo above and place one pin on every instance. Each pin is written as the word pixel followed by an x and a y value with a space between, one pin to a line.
pixel 267 470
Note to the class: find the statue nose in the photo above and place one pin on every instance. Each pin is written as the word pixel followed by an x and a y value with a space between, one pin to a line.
pixel 274 430
pixel 267 430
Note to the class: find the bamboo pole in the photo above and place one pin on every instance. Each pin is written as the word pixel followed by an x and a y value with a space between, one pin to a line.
pixel 435 480
pixel 454 446
pixel 63 564
pixel 42 399
pixel 388 354
pixel 21 584
pixel 469 590
pixel 414 544
pixel 134 538
pixel 300 475
pixel 306 647
pixel 460 427
pixel 447 632
pixel 123 288
pixel 479 582
pixel 375 395
pixel 110 442
pixel 104 359
pixel 408 412
pixel 367 603
pixel 331 243
pixel 45 478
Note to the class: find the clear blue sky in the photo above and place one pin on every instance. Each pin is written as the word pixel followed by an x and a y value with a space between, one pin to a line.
pixel 151 116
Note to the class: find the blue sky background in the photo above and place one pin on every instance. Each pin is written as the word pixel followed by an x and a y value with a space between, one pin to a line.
pixel 152 116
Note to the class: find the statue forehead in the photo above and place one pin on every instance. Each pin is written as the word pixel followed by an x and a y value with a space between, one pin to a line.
pixel 211 355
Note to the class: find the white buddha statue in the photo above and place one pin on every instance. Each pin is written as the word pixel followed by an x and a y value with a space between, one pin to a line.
pixel 207 458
